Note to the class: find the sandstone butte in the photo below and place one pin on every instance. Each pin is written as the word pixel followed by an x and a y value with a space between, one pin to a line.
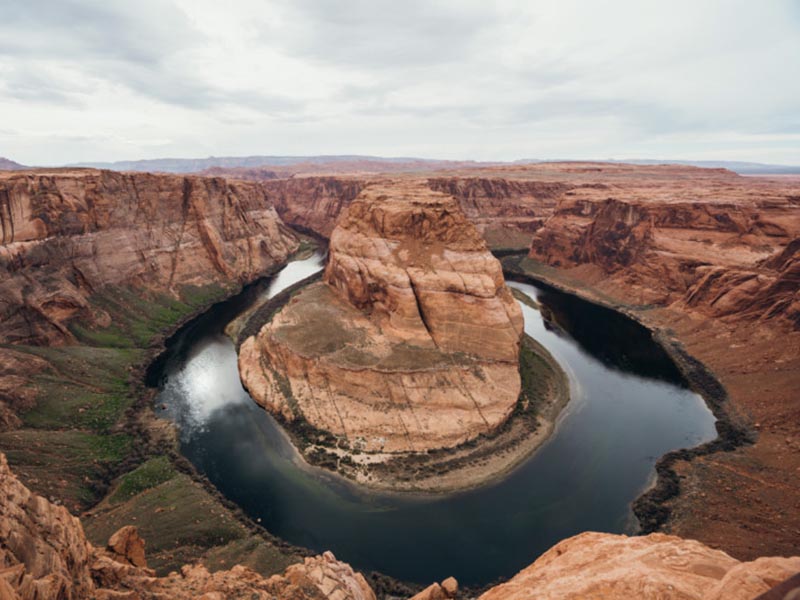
pixel 410 343
pixel 677 227
pixel 44 555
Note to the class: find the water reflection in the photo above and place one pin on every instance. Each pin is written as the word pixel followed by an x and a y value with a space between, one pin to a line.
pixel 628 407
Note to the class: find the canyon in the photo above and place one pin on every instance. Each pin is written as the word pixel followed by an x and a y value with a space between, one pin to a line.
pixel 97 267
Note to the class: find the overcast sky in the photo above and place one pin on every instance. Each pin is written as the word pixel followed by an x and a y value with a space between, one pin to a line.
pixel 116 79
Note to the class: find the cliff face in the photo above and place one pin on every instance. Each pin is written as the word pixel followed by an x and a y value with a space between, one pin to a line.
pixel 68 234
pixel 411 259
pixel 44 554
pixel 313 203
pixel 412 341
pixel 506 211
pixel 716 258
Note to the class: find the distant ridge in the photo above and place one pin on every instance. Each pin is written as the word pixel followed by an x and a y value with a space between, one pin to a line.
pixel 195 165
pixel 740 167
pixel 7 164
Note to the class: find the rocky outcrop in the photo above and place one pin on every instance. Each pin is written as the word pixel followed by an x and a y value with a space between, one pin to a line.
pixel 439 591
pixel 411 260
pixel 616 567
pixel 728 256
pixel 66 235
pixel 44 555
pixel 43 551
pixel 412 341
pixel 313 203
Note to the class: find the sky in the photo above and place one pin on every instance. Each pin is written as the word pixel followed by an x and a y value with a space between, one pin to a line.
pixel 97 80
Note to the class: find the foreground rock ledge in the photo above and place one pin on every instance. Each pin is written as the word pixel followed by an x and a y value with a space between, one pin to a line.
pixel 44 554
pixel 411 343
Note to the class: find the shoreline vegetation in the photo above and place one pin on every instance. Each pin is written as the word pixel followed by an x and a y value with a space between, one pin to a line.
pixel 480 461
pixel 125 483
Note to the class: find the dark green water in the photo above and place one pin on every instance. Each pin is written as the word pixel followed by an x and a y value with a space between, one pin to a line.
pixel 628 406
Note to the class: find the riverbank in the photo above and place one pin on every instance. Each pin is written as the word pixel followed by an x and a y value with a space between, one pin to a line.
pixel 737 492
pixel 545 394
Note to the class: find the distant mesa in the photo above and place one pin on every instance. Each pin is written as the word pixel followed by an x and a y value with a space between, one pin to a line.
pixel 7 164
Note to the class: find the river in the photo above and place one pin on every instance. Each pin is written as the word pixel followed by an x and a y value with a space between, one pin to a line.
pixel 629 405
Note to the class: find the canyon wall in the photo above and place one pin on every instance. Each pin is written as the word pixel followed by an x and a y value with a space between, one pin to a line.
pixel 313 203
pixel 505 211
pixel 68 234
pixel 44 555
pixel 411 342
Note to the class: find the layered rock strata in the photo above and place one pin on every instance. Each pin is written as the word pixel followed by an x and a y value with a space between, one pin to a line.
pixel 615 567
pixel 66 234
pixel 726 248
pixel 44 554
pixel 410 343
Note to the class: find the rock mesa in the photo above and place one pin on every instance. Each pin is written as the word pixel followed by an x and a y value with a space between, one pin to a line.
pixel 412 340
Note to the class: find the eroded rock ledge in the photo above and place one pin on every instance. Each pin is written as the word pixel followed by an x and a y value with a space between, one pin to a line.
pixel 44 554
pixel 410 343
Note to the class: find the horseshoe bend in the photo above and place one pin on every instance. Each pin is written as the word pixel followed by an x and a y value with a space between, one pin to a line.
pixel 410 342
pixel 403 365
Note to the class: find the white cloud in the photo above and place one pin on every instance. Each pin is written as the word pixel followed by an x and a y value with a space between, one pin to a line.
pixel 92 80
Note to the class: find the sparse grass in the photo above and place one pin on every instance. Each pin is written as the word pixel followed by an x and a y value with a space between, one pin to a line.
pixel 69 446
pixel 138 317
pixel 146 476
pixel 252 552
pixel 69 465
pixel 177 518
pixel 84 388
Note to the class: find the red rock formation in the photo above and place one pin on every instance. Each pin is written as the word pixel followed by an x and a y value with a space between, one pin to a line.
pixel 412 342
pixel 615 567
pixel 410 258
pixel 67 234
pixel 718 256
pixel 44 555
pixel 506 211
pixel 313 203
